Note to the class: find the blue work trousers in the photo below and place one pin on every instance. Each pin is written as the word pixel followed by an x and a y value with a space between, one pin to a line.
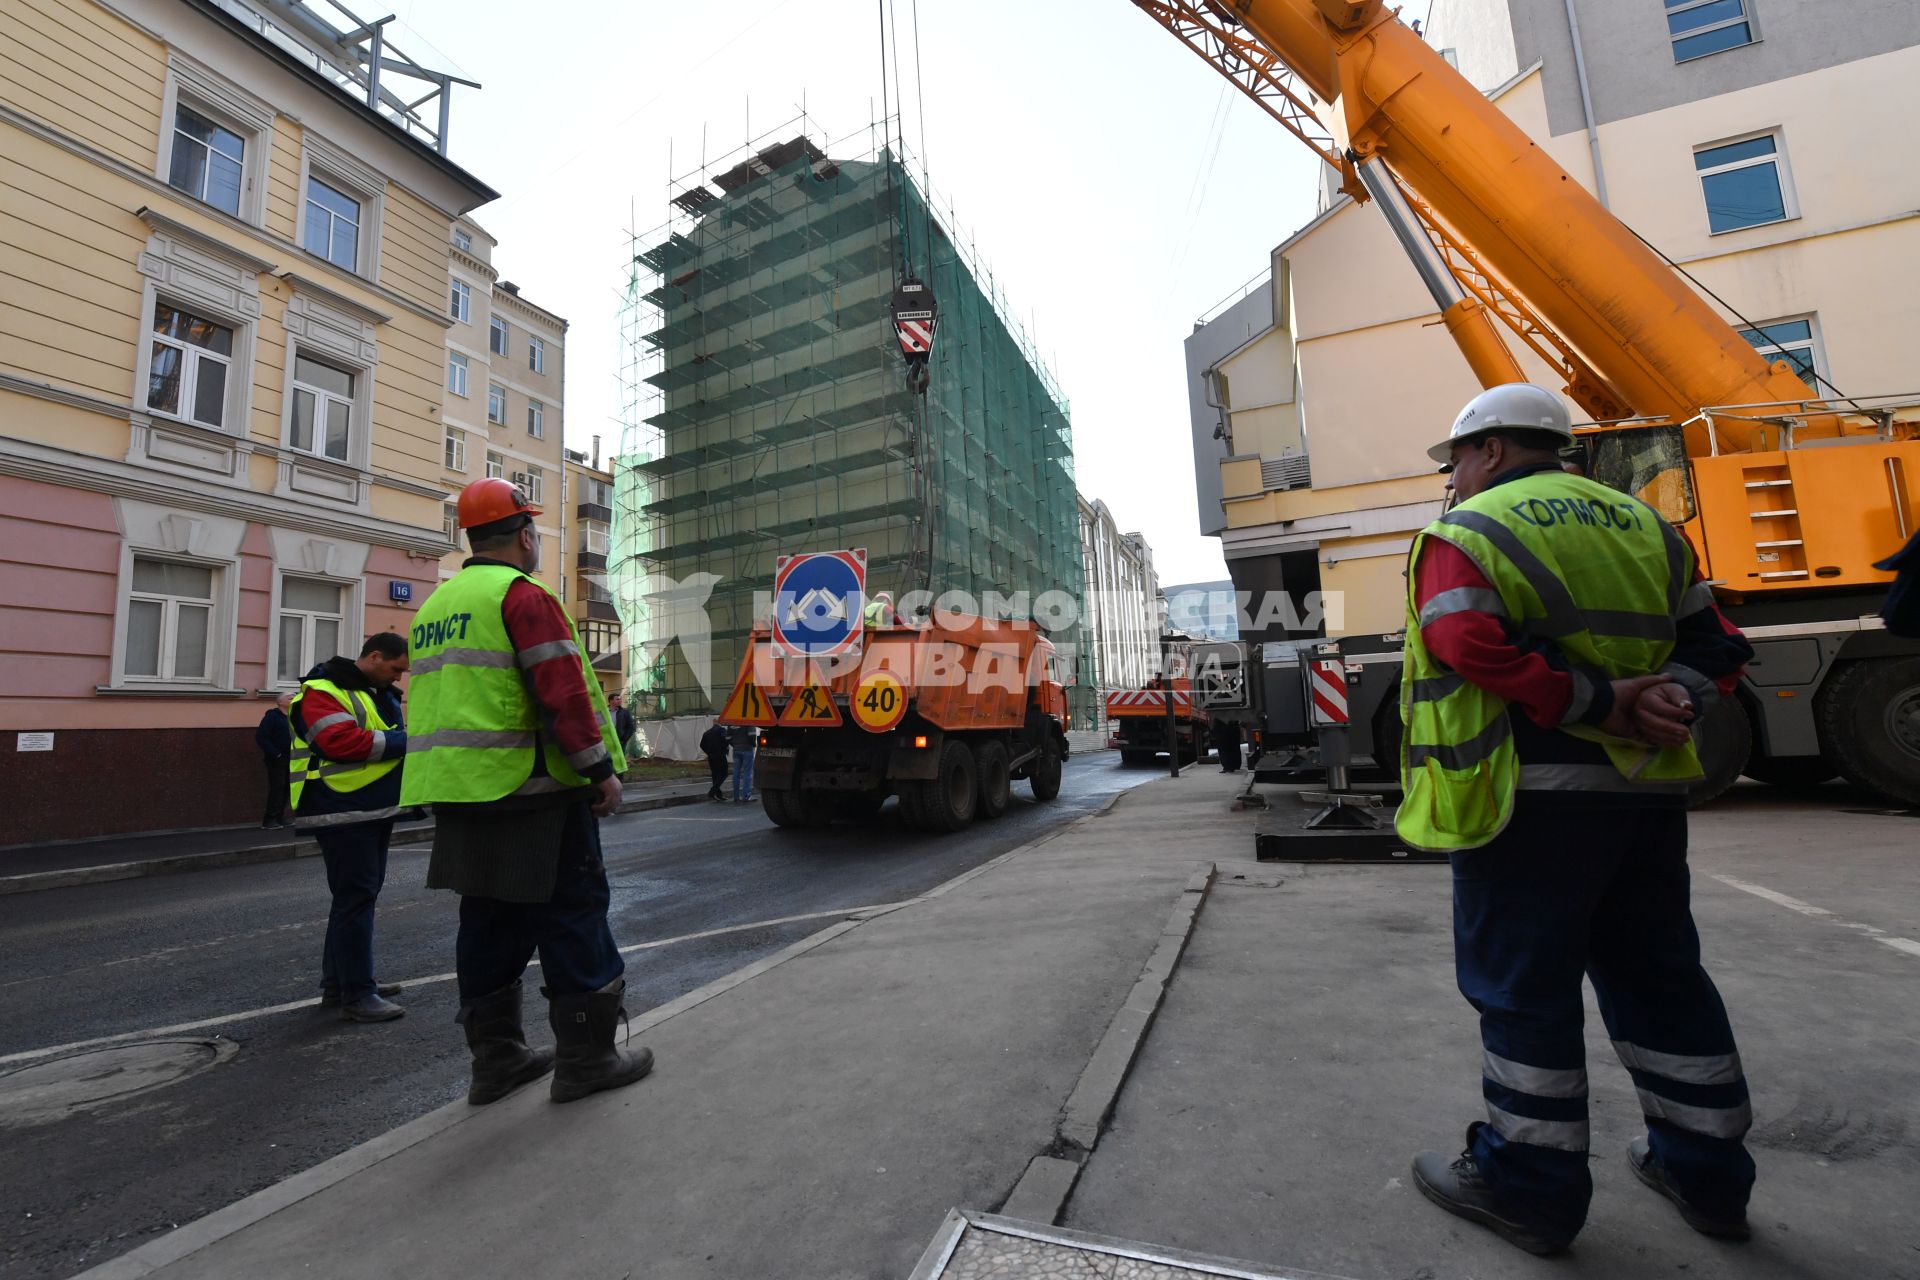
pixel 1575 887
pixel 356 861
pixel 743 773
pixel 569 930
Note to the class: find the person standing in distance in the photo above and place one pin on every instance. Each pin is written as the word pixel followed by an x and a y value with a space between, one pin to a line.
pixel 343 776
pixel 1559 642
pixel 745 740
pixel 514 748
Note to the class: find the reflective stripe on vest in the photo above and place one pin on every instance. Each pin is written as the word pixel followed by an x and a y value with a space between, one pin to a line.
pixel 1572 563
pixel 474 726
pixel 305 763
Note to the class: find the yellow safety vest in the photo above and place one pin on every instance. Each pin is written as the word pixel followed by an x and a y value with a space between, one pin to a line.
pixel 1592 571
pixel 345 776
pixel 474 726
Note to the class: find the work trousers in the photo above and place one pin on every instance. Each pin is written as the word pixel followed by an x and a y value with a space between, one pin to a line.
pixel 1600 888
pixel 356 860
pixel 717 767
pixel 278 784
pixel 569 930
pixel 1229 756
pixel 743 773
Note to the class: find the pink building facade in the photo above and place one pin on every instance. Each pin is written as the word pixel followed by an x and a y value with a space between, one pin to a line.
pixel 141 642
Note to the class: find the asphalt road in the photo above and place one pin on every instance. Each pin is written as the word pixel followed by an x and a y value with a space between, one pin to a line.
pixel 83 1183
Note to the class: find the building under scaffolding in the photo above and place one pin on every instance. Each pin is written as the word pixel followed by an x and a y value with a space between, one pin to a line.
pixel 767 413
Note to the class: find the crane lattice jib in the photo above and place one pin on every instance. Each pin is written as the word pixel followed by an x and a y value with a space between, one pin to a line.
pixel 1257 72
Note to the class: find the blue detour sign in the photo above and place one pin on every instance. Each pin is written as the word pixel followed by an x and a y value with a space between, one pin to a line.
pixel 817 602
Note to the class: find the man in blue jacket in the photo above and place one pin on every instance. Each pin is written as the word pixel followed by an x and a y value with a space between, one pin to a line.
pixel 274 737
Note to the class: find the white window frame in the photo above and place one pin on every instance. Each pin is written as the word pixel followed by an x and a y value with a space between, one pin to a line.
pixel 1746 17
pixel 496 466
pixel 1816 349
pixel 451 523
pixel 496 395
pixel 536 354
pixel 349 176
pixel 232 402
pixel 460 302
pixel 322 397
pixel 532 482
pixel 1783 174
pixel 350 612
pixel 536 419
pixel 457 374
pixel 220 624
pixel 497 327
pixel 462 240
pixel 455 453
pixel 201 91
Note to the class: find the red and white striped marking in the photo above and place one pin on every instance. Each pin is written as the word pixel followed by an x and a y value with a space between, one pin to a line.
pixel 916 336
pixel 1146 698
pixel 1327 682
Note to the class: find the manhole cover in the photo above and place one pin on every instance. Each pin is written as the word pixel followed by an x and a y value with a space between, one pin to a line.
pixel 49 1091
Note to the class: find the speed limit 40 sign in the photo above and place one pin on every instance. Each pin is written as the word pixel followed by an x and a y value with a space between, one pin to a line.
pixel 879 702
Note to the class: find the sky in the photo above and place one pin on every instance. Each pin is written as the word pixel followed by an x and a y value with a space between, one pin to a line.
pixel 1118 188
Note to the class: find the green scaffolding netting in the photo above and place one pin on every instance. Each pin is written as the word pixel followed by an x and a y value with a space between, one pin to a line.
pixel 766 413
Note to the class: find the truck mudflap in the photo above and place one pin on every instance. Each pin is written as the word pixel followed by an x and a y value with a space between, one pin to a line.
pixel 773 768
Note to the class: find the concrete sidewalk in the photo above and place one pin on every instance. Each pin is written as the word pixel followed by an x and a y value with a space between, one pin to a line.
pixel 61 864
pixel 820 1113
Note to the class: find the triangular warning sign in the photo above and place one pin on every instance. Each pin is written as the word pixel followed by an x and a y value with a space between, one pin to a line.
pixel 748 705
pixel 812 707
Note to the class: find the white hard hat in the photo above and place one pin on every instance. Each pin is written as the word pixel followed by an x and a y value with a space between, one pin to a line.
pixel 1520 406
pixel 884 595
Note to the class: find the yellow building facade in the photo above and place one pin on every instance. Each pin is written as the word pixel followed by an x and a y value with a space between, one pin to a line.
pixel 222 371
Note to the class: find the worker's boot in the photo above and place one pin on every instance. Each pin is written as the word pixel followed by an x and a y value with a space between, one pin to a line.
pixel 502 1061
pixel 1647 1167
pixel 583 1027
pixel 1457 1186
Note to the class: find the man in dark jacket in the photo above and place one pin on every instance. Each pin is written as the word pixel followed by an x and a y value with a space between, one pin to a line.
pixel 274 737
pixel 622 718
pixel 713 744
pixel 349 738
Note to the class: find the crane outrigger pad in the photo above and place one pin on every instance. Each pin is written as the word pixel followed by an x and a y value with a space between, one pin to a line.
pixel 1283 834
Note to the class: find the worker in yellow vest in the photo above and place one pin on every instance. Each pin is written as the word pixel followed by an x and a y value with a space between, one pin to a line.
pixel 1559 644
pixel 344 783
pixel 514 748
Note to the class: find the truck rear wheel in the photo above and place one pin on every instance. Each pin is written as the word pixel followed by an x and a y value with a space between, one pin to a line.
pixel 797 808
pixel 1044 775
pixel 996 788
pixel 1869 719
pixel 946 802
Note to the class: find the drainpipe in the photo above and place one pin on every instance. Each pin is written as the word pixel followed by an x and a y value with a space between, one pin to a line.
pixel 1586 106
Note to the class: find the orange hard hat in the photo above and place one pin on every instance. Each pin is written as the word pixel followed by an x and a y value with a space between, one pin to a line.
pixel 493 499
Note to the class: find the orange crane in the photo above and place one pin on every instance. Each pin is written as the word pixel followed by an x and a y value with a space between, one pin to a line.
pixel 1504 238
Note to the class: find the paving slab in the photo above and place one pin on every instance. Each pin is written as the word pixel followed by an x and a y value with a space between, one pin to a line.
pixel 1312 1041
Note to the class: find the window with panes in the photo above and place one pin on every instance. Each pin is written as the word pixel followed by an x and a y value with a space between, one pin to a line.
pixel 322 409
pixel 312 619
pixel 208 161
pixel 460 303
pixel 192 360
pixel 170 612
pixel 456 450
pixel 496 403
pixel 332 225
pixel 497 336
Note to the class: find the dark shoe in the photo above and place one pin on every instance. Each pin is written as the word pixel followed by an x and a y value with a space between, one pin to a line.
pixel 371 1008
pixel 583 1027
pixel 331 999
pixel 1647 1167
pixel 1456 1186
pixel 502 1062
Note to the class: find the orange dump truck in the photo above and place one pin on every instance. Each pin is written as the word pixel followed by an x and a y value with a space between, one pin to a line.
pixel 1137 723
pixel 946 716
